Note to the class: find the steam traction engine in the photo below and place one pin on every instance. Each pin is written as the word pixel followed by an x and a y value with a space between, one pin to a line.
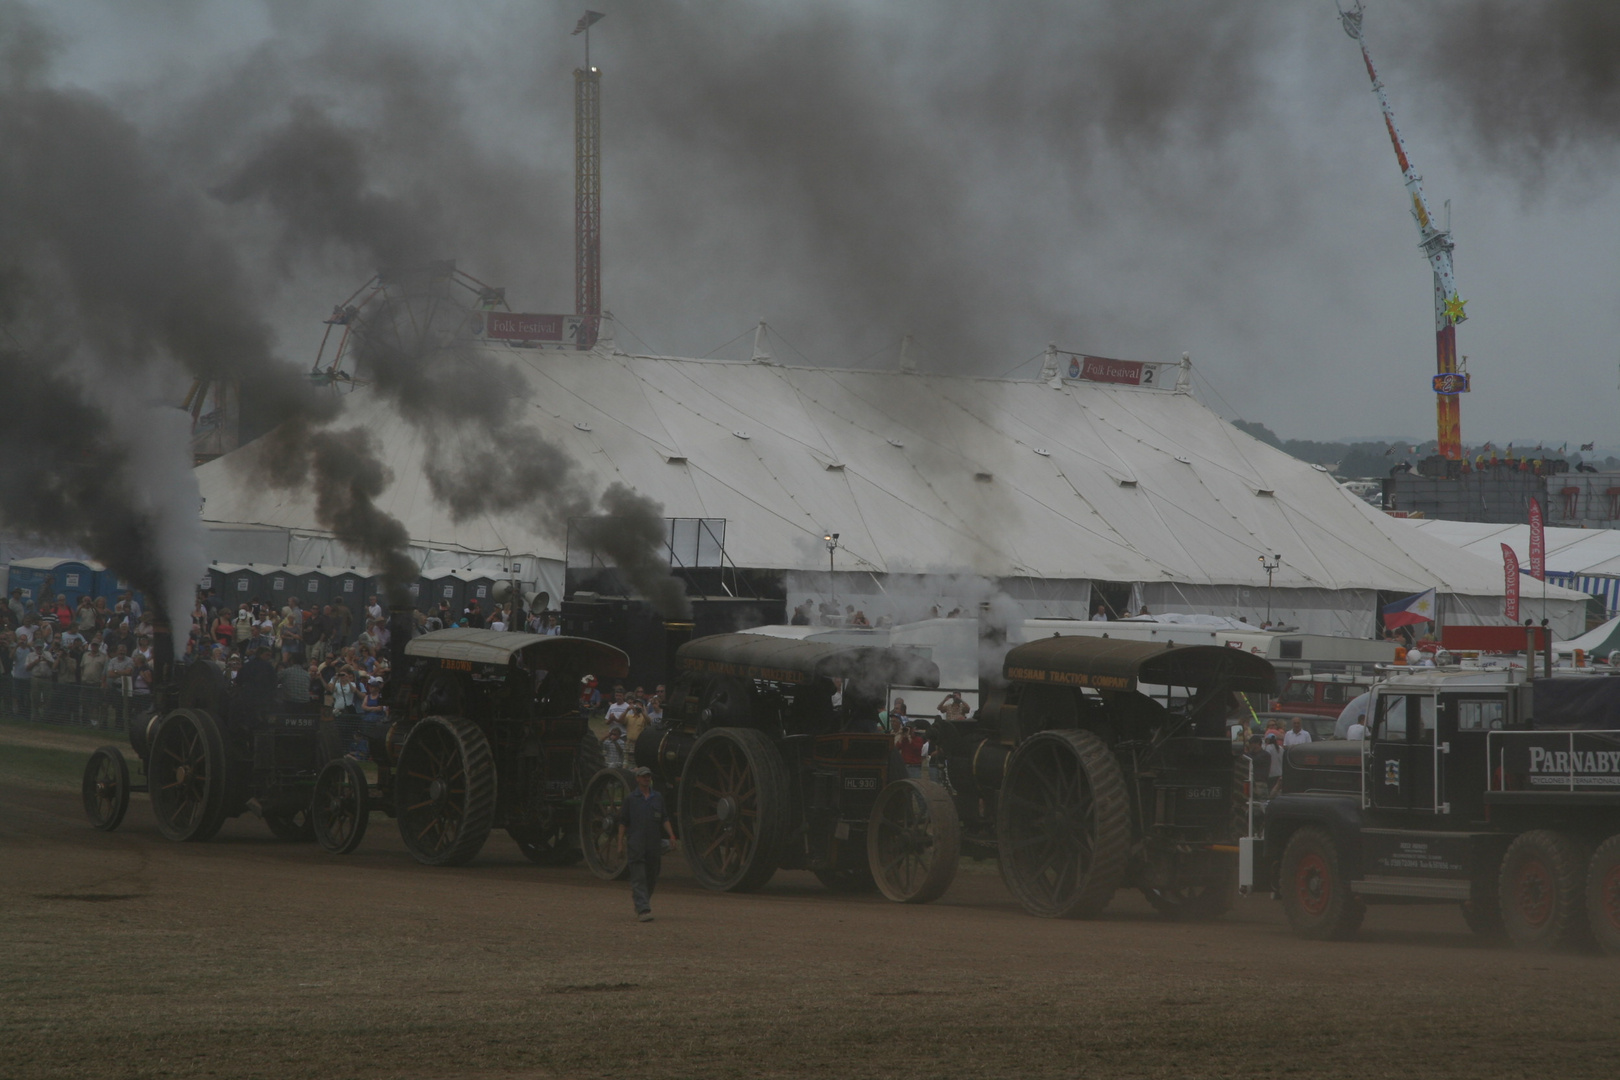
pixel 1108 766
pixel 489 735
pixel 772 755
pixel 484 732
pixel 209 752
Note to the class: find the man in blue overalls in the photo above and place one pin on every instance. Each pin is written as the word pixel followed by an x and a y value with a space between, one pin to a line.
pixel 642 827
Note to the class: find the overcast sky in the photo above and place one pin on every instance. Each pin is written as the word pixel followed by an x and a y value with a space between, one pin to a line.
pixel 1129 179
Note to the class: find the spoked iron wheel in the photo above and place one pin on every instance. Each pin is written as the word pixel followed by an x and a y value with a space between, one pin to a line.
pixel 1063 825
pixel 445 790
pixel 106 788
pixel 914 841
pixel 340 807
pixel 185 775
pixel 549 845
pixel 734 809
pixel 599 823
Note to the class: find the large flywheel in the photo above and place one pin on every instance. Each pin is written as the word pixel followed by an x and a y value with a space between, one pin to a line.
pixel 1063 825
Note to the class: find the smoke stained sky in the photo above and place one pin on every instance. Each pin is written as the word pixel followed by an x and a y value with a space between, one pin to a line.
pixel 1129 179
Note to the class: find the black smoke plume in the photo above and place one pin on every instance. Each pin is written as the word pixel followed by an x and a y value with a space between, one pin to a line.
pixel 100 238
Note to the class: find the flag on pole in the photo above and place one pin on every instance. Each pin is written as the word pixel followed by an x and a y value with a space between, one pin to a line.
pixel 585 22
pixel 1588 446
pixel 1538 542
pixel 1510 583
pixel 1416 608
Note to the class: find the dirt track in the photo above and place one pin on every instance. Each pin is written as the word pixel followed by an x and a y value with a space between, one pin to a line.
pixel 126 955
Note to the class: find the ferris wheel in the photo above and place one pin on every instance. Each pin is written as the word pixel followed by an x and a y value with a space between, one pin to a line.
pixel 402 312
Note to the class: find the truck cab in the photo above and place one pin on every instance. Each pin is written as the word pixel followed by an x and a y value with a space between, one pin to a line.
pixel 1459 769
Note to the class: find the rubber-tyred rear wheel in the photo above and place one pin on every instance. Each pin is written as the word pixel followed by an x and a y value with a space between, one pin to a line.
pixel 1542 888
pixel 1316 895
pixel 1603 895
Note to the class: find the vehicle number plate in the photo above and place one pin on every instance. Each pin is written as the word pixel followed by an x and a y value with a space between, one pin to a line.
pixel 860 783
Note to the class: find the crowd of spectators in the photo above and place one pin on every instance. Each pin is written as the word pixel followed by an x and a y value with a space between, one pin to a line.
pixel 91 663
pixel 625 717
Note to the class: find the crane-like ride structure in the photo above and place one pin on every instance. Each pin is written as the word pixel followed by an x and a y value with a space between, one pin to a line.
pixel 1436 245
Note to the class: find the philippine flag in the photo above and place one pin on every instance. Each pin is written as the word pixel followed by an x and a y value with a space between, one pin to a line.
pixel 1412 609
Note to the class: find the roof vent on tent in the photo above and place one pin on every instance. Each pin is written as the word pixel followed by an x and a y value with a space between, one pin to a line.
pixel 742 434
pixel 1320 468
pixel 983 477
pixel 1041 450
pixel 1265 492
pixel 835 466
pixel 675 459
pixel 896 442
pixel 1124 483
pixel 582 425
pixel 1184 460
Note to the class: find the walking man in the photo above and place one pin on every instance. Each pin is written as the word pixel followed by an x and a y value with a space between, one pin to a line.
pixel 642 828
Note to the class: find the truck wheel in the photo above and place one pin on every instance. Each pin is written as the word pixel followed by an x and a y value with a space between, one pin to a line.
pixel 1316 895
pixel 186 775
pixel 1603 895
pixel 599 823
pixel 735 806
pixel 445 790
pixel 340 807
pixel 106 788
pixel 914 841
pixel 1063 825
pixel 1541 888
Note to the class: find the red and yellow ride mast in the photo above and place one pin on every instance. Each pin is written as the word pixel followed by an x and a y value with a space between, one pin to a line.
pixel 1436 244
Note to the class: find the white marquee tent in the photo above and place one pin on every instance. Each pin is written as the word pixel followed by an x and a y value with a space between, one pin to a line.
pixel 1586 560
pixel 1042 486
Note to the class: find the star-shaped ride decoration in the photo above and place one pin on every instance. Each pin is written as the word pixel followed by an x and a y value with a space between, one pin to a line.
pixel 1454 309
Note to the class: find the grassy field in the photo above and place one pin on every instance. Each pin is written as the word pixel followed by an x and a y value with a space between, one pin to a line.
pixel 52 756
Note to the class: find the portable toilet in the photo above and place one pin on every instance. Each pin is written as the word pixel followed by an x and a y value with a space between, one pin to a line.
pixel 111 587
pixel 348 587
pixel 444 586
pixel 480 585
pixel 69 577
pixel 282 583
pixel 234 584
pixel 311 587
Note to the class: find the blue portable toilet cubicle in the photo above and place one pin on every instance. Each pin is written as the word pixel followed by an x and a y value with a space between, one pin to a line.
pixel 69 577
pixel 480 586
pixel 282 583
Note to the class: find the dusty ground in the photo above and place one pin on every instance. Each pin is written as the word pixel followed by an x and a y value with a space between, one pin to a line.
pixel 125 955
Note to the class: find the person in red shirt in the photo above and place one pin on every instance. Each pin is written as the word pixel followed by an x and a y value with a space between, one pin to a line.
pixel 910 742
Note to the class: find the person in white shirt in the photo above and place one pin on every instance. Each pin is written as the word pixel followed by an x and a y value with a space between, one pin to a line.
pixel 616 711
pixel 1358 731
pixel 1296 734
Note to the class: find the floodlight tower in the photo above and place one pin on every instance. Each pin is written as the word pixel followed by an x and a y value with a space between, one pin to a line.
pixel 588 188
pixel 1436 245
